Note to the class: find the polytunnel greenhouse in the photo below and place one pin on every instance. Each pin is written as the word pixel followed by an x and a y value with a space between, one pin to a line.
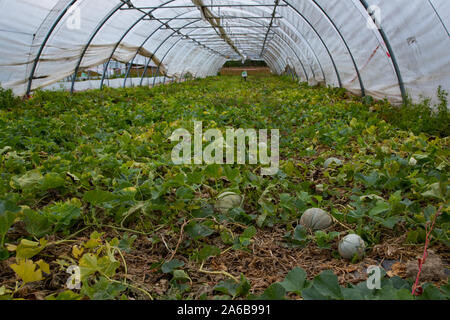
pixel 224 150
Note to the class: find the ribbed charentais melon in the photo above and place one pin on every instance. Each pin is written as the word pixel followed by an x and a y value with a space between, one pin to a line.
pixel 227 201
pixel 316 219
pixel 352 245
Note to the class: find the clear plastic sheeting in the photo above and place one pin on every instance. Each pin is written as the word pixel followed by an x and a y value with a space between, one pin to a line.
pixel 387 49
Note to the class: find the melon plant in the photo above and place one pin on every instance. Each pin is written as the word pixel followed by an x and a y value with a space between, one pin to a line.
pixel 115 163
pixel 316 219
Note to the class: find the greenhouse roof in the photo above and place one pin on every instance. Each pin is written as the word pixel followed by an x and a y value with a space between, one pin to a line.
pixel 388 49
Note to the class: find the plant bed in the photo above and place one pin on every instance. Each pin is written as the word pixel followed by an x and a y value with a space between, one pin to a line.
pixel 87 182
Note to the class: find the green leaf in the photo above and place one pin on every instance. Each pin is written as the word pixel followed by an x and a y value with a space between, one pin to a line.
pixel 214 171
pixel 126 243
pixel 227 237
pixel 36 224
pixel 66 295
pixel 275 292
pixel 299 237
pixel 108 266
pixel 28 249
pixel 430 292
pixel 324 287
pixel 380 207
pixel 171 265
pixel 8 214
pixel 228 287
pixel 295 281
pixel 52 181
pixel 206 210
pixel 358 293
pixel 185 193
pixel 89 264
pixel 391 293
pixel 391 222
pixel 27 181
pixel 244 239
pixel 97 197
pixel 249 233
pixel 103 290
pixel 436 190
pixel 198 230
pixel 62 215
pixel 4 253
pixel 233 289
pixel 180 275
pixel 370 180
pixel 244 287
pixel 446 290
pixel 208 251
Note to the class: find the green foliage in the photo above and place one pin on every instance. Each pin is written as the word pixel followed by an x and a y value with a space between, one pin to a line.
pixel 324 239
pixel 295 281
pixel 421 117
pixel 8 214
pixel 244 240
pixel 52 219
pixel 101 160
pixel 171 266
pixel 8 100
pixel 326 286
pixel 103 290
pixel 275 292
pixel 298 237
pixel 247 63
pixel 233 289
pixel 66 295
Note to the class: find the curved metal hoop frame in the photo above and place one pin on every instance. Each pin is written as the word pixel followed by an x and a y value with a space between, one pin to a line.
pixel 364 3
pixel 391 53
pixel 148 38
pixel 178 28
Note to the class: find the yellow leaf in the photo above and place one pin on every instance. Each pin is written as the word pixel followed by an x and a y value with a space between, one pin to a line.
pixel 26 270
pixel 130 189
pixel 93 243
pixel 95 240
pixel 28 249
pixel 77 252
pixel 4 291
pixel 372 130
pixel 11 247
pixel 43 266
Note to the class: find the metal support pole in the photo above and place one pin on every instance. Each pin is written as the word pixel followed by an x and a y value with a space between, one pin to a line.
pixel 321 39
pixel 165 55
pixel 392 54
pixel 159 46
pixel 44 43
pixel 270 25
pixel 361 84
pixel 275 32
pixel 96 31
pixel 137 51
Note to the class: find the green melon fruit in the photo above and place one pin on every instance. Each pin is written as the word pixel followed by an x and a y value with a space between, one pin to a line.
pixel 352 245
pixel 227 201
pixel 316 219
